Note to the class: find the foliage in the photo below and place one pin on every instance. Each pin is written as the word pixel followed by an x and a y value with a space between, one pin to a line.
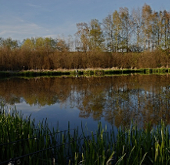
pixel 124 39
pixel 28 143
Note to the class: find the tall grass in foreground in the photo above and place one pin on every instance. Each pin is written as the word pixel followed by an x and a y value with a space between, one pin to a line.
pixel 28 143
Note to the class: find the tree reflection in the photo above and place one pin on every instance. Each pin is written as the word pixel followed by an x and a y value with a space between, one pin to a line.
pixel 117 99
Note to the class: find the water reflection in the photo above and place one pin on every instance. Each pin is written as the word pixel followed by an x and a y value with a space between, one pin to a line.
pixel 116 100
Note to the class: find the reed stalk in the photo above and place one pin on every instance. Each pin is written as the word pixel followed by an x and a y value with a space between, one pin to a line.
pixel 28 143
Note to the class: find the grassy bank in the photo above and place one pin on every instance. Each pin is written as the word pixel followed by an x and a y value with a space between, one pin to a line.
pixel 84 72
pixel 23 142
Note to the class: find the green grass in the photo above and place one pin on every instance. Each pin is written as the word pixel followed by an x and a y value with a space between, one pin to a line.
pixel 95 72
pixel 20 136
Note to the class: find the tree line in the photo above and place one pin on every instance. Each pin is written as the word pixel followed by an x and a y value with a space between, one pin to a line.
pixel 124 39
pixel 125 31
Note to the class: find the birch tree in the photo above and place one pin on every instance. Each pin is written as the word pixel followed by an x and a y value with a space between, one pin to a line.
pixel 83 37
pixel 126 28
pixel 109 33
pixel 96 36
pixel 137 29
pixel 147 24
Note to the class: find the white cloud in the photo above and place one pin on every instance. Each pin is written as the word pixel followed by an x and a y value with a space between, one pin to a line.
pixel 50 36
pixel 32 5
pixel 38 7
pixel 18 28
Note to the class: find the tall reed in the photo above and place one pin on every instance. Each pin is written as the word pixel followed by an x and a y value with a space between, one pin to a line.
pixel 28 143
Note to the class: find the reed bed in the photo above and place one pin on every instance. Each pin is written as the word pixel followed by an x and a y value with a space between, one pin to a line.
pixel 94 72
pixel 24 142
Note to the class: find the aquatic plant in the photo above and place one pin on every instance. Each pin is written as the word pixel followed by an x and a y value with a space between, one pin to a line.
pixel 27 143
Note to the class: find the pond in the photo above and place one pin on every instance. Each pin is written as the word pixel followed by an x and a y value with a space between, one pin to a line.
pixel 114 100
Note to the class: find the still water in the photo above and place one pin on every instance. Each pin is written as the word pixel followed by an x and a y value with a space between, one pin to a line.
pixel 114 100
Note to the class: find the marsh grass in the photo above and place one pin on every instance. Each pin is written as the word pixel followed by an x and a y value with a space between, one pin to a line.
pixel 88 72
pixel 37 144
pixel 33 73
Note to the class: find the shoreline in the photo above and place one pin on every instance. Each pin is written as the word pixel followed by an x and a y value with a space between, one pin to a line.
pixel 83 72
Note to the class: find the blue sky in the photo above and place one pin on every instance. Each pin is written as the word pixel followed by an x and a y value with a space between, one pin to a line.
pixel 21 19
